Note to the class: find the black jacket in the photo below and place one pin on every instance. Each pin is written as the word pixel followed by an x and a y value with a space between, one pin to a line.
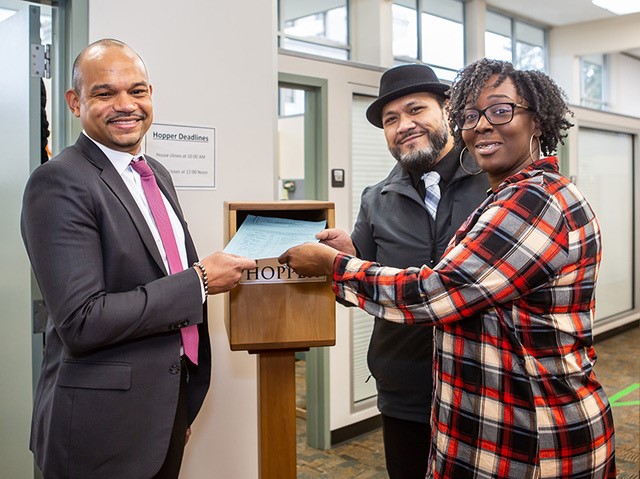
pixel 394 228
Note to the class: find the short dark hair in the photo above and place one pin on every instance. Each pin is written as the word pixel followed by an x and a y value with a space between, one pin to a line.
pixel 442 100
pixel 541 93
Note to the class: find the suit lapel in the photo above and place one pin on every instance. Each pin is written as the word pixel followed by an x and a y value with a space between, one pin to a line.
pixel 113 180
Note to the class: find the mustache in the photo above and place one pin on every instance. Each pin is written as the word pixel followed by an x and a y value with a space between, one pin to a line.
pixel 117 116
pixel 412 133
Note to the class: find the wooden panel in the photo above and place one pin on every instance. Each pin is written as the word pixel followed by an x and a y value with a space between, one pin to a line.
pixel 275 316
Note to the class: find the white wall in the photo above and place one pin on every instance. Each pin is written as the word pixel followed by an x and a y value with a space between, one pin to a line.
pixel 197 54
pixel 371 32
pixel 623 86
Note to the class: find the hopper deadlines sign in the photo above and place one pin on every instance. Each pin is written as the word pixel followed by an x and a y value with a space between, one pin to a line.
pixel 188 152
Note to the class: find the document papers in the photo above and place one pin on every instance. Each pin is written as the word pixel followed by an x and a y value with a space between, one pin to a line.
pixel 261 237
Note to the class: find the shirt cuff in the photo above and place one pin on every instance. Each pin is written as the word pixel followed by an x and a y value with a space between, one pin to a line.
pixel 202 293
pixel 204 296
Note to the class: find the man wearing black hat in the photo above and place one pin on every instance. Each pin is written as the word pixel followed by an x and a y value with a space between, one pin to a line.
pixel 407 220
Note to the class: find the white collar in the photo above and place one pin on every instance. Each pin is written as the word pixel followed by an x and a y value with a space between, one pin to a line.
pixel 121 160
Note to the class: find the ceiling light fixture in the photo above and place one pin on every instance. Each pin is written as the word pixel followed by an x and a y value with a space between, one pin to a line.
pixel 619 7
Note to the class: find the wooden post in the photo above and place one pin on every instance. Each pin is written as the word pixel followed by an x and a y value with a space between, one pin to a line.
pixel 277 417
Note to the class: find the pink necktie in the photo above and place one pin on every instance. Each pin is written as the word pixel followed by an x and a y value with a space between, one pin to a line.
pixel 160 216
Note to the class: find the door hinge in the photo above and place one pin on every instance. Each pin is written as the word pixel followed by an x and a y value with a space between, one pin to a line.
pixel 41 61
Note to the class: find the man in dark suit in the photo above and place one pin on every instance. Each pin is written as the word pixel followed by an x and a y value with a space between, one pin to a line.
pixel 119 386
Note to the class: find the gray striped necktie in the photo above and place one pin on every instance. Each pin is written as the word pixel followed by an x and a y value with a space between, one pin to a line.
pixel 432 197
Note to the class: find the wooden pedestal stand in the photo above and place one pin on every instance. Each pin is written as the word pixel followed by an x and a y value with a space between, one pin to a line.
pixel 273 313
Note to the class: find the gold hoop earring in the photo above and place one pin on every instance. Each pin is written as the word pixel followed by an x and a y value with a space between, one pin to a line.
pixel 531 148
pixel 473 173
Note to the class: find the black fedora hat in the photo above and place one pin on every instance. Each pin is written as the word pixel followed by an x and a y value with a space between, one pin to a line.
pixel 400 81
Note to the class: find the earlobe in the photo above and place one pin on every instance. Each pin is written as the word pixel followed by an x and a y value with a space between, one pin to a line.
pixel 73 101
pixel 537 132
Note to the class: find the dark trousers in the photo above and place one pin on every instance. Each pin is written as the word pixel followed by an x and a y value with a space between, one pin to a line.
pixel 406 447
pixel 171 467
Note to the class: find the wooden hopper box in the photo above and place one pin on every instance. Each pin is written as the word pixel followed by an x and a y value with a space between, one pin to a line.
pixel 272 308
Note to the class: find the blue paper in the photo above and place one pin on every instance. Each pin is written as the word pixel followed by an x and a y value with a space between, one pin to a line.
pixel 261 237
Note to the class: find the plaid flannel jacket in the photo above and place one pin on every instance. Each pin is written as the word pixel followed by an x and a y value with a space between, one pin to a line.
pixel 512 299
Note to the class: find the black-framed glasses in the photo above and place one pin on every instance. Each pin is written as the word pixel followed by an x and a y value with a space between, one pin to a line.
pixel 497 114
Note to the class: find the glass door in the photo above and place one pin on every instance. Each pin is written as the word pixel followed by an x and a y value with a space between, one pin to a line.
pixel 20 125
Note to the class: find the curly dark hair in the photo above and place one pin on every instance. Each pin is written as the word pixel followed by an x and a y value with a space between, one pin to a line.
pixel 543 95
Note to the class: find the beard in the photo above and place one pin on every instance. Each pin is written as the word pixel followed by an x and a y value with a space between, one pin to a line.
pixel 423 159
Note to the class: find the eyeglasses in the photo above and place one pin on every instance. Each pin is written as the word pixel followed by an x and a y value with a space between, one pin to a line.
pixel 497 114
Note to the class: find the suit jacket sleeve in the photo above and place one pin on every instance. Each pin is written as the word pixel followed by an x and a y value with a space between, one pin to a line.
pixel 66 225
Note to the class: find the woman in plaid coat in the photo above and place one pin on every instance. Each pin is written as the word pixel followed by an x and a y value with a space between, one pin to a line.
pixel 512 299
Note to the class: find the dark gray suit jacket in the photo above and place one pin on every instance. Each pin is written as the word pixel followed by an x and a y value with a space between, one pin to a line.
pixel 106 400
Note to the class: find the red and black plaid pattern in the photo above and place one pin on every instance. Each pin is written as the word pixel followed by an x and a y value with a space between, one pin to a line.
pixel 512 301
